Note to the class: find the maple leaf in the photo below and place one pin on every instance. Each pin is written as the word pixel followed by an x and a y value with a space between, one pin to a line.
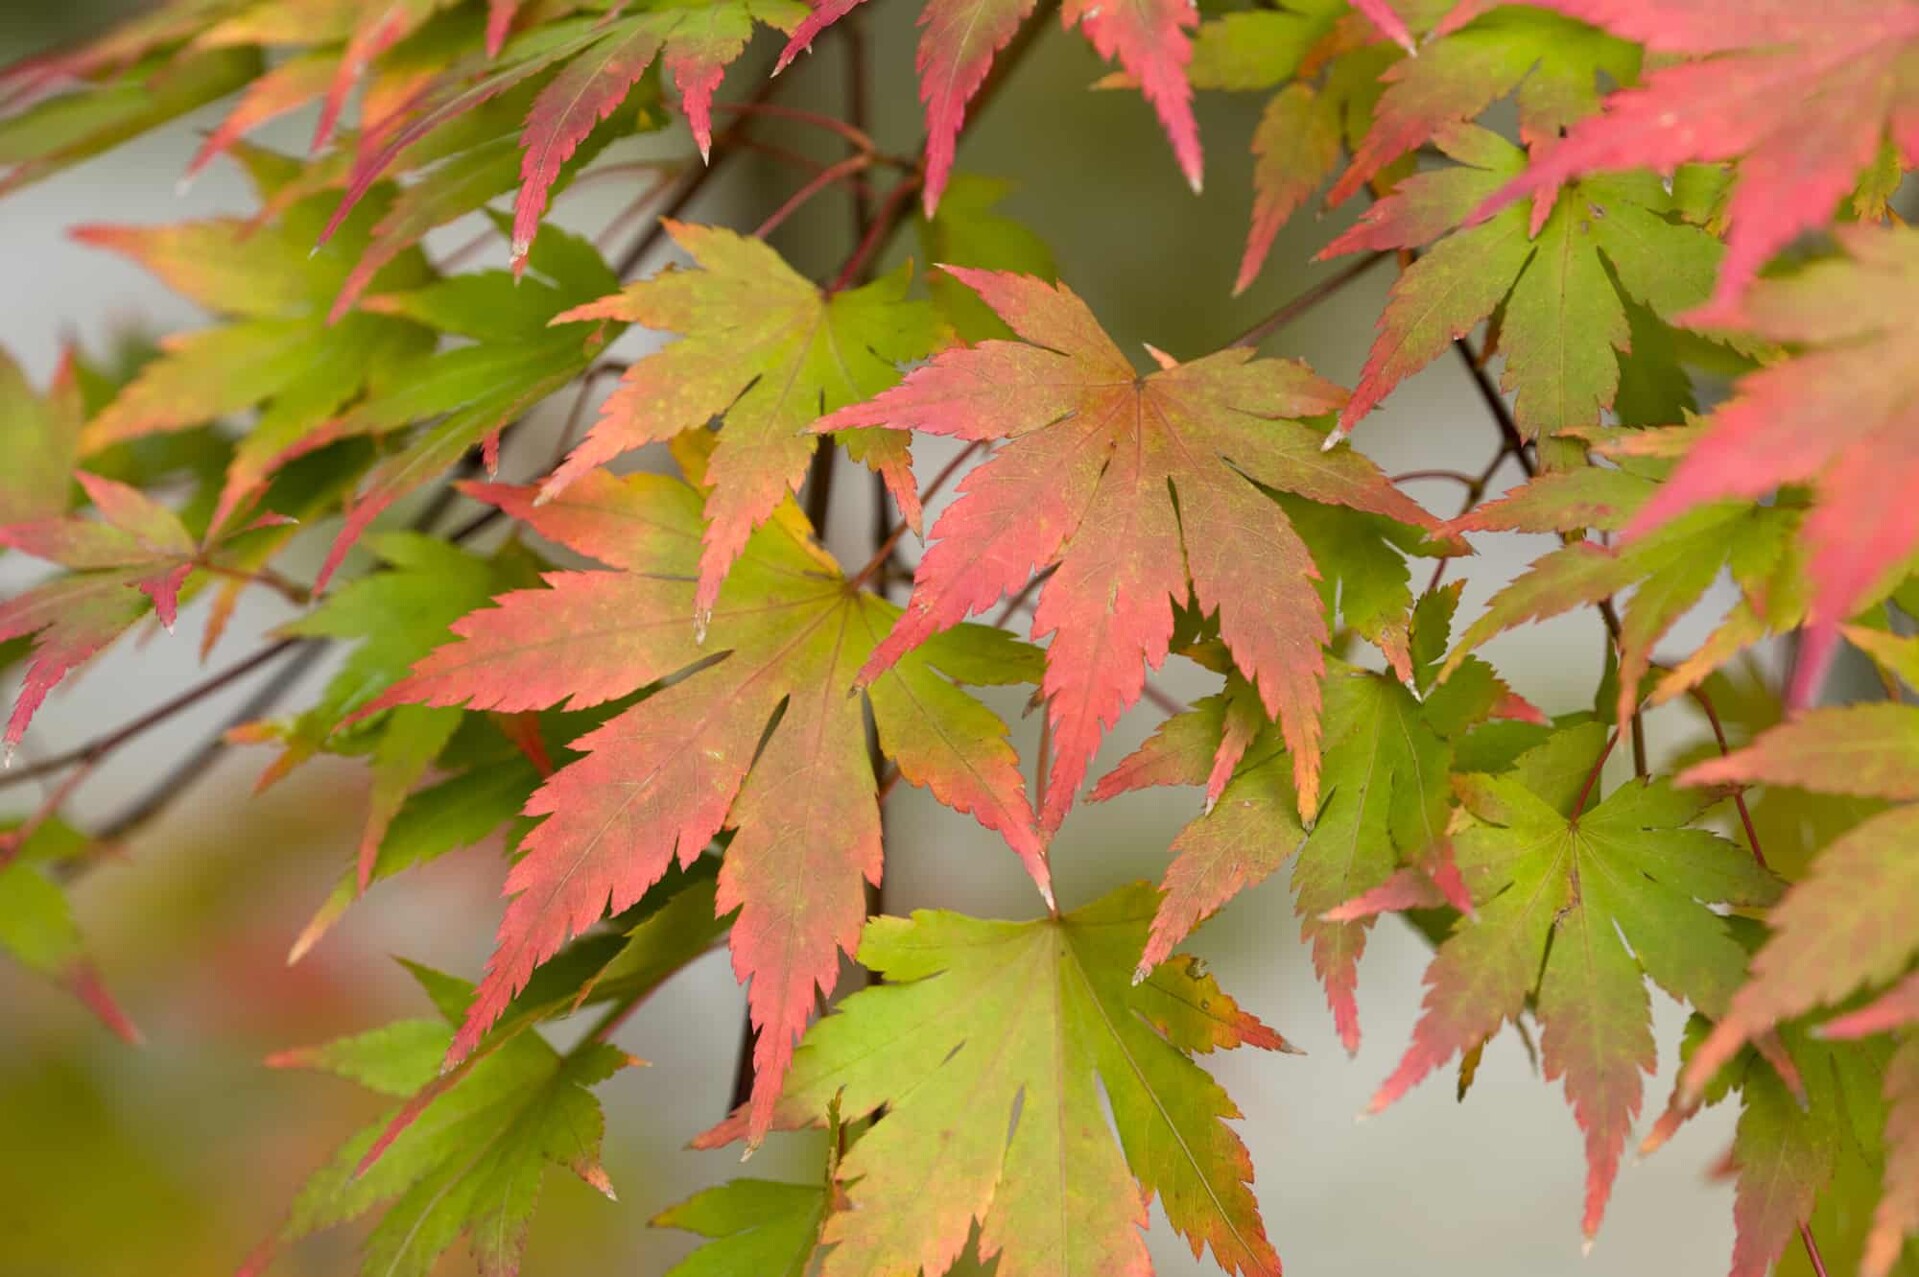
pixel 960 38
pixel 122 94
pixel 1136 489
pixel 1313 115
pixel 278 353
pixel 1839 415
pixel 693 43
pixel 665 776
pixel 1551 66
pixel 37 923
pixel 1792 1153
pixel 767 351
pixel 1567 293
pixel 134 558
pixel 583 69
pixel 471 1162
pixel 1388 756
pixel 1667 572
pixel 1801 97
pixel 39 436
pixel 757 1226
pixel 1846 924
pixel 1557 882
pixel 1003 1036
pixel 523 349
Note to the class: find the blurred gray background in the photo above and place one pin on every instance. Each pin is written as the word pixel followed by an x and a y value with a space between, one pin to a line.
pixel 192 1137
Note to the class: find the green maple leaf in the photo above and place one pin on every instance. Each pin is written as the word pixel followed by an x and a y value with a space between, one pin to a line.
pixel 1610 248
pixel 397 615
pixel 523 348
pixel 276 352
pixel 1388 758
pixel 757 1226
pixel 471 1160
pixel 136 85
pixel 768 352
pixel 37 923
pixel 1558 880
pixel 990 1046
pixel 39 436
pixel 1665 572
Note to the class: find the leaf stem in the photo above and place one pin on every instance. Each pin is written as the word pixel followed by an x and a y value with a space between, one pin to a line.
pixel 881 230
pixel 892 539
pixel 856 137
pixel 1592 777
pixel 826 177
pixel 1704 702
pixel 1813 1256
pixel 1331 286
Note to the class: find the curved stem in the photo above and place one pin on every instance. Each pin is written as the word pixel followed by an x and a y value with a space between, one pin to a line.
pixel 885 550
pixel 1287 313
pixel 820 181
pixel 815 119
pixel 1738 795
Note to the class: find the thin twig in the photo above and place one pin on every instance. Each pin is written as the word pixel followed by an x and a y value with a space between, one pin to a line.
pixel 1456 476
pixel 1475 493
pixel 691 185
pixel 577 412
pixel 1496 405
pixel 292 591
pixel 180 777
pixel 1025 596
pixel 890 218
pixel 96 750
pixel 852 30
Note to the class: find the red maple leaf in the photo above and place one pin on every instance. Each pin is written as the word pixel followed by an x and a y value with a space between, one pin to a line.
pixel 1840 416
pixel 765 740
pixel 1802 95
pixel 1134 489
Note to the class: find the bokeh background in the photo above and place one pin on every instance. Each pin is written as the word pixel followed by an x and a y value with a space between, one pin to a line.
pixel 175 1158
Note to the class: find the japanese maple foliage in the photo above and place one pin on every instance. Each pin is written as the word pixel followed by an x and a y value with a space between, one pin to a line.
pixel 585 617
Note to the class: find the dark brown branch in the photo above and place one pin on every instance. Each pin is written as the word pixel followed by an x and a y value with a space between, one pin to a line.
pixel 1516 444
pixel 181 776
pixel 96 750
